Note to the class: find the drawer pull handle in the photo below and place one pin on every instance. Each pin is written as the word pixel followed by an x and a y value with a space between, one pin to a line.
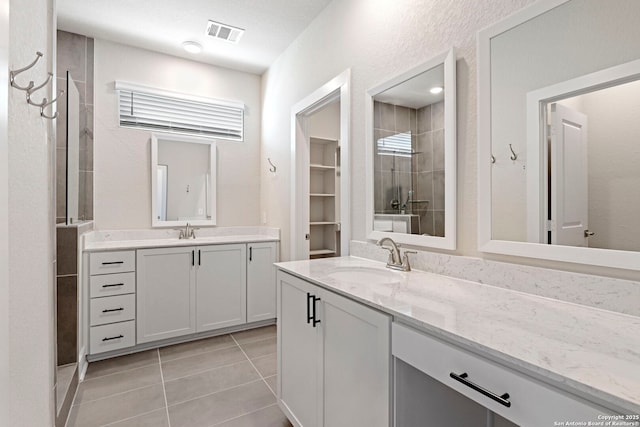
pixel 109 310
pixel 491 395
pixel 113 338
pixel 113 262
pixel 112 285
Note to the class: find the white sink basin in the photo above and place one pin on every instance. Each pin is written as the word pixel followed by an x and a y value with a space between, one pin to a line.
pixel 365 275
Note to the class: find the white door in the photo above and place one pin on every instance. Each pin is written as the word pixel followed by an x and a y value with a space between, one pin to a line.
pixel 165 293
pixel 569 197
pixel 356 360
pixel 299 352
pixel 221 286
pixel 261 281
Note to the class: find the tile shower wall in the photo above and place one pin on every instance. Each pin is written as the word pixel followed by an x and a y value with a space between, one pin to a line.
pixel 75 54
pixel 422 173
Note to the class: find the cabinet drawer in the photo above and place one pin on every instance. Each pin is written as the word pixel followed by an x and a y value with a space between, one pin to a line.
pixel 532 403
pixel 112 284
pixel 112 336
pixel 112 262
pixel 113 309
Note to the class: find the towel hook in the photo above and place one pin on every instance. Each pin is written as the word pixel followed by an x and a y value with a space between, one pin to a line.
pixel 514 156
pixel 493 158
pixel 273 168
pixel 14 73
pixel 45 104
pixel 33 89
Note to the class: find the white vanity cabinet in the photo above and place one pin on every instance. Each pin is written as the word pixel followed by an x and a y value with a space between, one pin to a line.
pixel 261 281
pixel 112 299
pixel 334 357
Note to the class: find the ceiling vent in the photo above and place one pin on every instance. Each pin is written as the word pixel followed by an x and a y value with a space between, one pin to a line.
pixel 224 32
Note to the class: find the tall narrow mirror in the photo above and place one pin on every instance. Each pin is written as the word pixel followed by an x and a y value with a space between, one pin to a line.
pixel 412 145
pixel 74 131
pixel 183 180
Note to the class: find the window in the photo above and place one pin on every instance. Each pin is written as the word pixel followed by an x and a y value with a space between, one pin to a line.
pixel 396 145
pixel 147 108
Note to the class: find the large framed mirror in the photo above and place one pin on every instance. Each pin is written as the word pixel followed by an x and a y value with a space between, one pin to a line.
pixel 183 181
pixel 411 155
pixel 559 119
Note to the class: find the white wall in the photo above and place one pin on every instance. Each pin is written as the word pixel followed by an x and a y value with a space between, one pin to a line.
pixel 377 40
pixel 31 218
pixel 325 123
pixel 122 188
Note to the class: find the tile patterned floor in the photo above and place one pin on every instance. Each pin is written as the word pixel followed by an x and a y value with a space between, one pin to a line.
pixel 226 381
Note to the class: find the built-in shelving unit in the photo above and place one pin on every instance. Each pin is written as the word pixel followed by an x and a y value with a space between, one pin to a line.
pixel 324 228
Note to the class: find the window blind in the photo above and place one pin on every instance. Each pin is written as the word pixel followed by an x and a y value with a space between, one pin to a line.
pixel 148 108
pixel 398 144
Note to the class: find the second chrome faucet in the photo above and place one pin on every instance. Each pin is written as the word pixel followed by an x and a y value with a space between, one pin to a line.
pixel 396 261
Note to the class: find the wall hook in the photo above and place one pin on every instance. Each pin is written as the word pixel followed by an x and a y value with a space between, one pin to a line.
pixel 493 158
pixel 14 73
pixel 33 89
pixel 514 156
pixel 45 104
pixel 273 168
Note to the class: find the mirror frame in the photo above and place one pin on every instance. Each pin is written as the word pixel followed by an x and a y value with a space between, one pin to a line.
pixel 155 139
pixel 581 255
pixel 448 59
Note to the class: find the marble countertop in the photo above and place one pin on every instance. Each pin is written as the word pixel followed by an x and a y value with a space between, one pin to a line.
pixel 138 239
pixel 588 351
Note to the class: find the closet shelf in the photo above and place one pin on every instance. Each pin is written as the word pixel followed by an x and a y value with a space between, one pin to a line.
pixel 321 195
pixel 322 252
pixel 321 167
pixel 323 223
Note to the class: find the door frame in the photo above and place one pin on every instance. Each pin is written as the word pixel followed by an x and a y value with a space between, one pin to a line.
pixel 338 88
pixel 537 134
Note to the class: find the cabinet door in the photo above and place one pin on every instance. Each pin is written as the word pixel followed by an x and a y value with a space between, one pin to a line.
pixel 165 294
pixel 221 286
pixel 356 361
pixel 299 352
pixel 261 281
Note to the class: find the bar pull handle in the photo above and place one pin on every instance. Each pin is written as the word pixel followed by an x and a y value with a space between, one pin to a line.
pixel 112 285
pixel 199 257
pixel 315 320
pixel 109 310
pixel 193 257
pixel 250 253
pixel 309 317
pixel 502 399
pixel 113 338
pixel 113 262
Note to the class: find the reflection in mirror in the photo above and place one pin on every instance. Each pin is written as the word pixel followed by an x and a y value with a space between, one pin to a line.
pixel 413 150
pixel 183 180
pixel 558 84
pixel 72 151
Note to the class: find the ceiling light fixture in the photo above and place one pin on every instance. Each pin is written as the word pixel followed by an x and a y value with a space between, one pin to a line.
pixel 192 47
pixel 436 90
pixel 224 32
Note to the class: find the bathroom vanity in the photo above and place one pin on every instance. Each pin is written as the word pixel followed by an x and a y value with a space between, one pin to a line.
pixel 149 288
pixel 381 347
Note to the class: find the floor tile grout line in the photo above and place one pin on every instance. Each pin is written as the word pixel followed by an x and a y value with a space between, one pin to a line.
pixel 243 415
pixel 198 354
pixel 119 372
pixel 228 365
pixel 117 394
pixel 164 390
pixel 255 340
pixel 130 418
pixel 215 392
pixel 254 367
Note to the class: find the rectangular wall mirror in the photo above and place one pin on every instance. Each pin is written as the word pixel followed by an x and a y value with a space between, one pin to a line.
pixel 559 116
pixel 411 149
pixel 183 181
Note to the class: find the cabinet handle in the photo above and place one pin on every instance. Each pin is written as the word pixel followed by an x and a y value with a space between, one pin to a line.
pixel 199 257
pixel 112 285
pixel 309 317
pixel 109 310
pixel 491 395
pixel 113 262
pixel 193 257
pixel 315 321
pixel 250 253
pixel 113 338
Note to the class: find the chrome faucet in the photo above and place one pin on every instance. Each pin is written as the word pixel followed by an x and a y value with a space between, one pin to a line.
pixel 188 232
pixel 395 261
